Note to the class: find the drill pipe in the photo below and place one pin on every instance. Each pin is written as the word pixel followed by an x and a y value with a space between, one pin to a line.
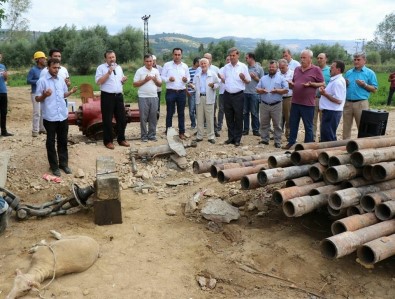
pixel 372 155
pixel 370 142
pixel 281 195
pixel 341 173
pixel 336 213
pixel 299 206
pixel 353 223
pixel 325 189
pixel 310 155
pixel 355 210
pixel 383 171
pixel 367 172
pixel 316 171
pixel 320 145
pixel 357 182
pixel 277 175
pixel 283 160
pixel 371 200
pixel 200 166
pixel 235 174
pixel 215 168
pixel 385 210
pixel 249 181
pixel 304 180
pixel 347 242
pixel 351 196
pixel 339 160
pixel 324 156
pixel 377 250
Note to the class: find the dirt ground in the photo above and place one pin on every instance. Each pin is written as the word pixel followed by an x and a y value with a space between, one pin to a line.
pixel 157 252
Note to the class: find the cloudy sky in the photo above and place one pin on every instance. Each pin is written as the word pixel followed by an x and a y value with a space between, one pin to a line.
pixel 324 19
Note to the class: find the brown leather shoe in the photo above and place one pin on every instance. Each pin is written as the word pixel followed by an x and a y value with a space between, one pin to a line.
pixel 110 145
pixel 182 136
pixel 124 143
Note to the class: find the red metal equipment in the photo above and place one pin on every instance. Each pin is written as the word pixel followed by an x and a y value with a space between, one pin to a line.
pixel 88 118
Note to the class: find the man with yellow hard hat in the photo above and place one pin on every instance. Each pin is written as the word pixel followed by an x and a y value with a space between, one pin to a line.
pixel 32 78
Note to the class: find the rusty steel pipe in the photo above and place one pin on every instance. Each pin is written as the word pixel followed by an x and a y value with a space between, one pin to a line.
pixel 383 171
pixel 215 168
pixel 235 174
pixel 283 160
pixel 336 174
pixel 339 160
pixel 355 210
pixel 284 194
pixel 277 175
pixel 371 200
pixel 353 223
pixel 385 210
pixel 316 171
pixel 336 213
pixel 354 183
pixel 324 156
pixel 347 242
pixel 372 155
pixel 377 250
pixel 320 145
pixel 370 142
pixel 304 157
pixel 249 181
pixel 301 181
pixel 325 189
pixel 351 196
pixel 200 166
pixel 367 172
pixel 298 206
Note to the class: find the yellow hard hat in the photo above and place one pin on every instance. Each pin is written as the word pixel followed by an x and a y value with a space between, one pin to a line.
pixel 39 54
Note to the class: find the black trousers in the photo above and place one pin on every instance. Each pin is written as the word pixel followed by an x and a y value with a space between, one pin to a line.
pixel 57 131
pixel 3 112
pixel 112 105
pixel 233 108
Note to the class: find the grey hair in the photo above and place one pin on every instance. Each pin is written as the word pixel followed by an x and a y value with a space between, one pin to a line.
pixel 283 61
pixel 359 54
pixel 233 49
pixel 204 59
pixel 308 51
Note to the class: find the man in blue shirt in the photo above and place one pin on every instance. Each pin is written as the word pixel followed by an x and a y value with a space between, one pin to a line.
pixel 360 81
pixel 191 93
pixel 51 92
pixel 3 99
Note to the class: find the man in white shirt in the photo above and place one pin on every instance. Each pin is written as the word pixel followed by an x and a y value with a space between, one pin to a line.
pixel 176 75
pixel 292 63
pixel 332 100
pixel 147 79
pixel 288 74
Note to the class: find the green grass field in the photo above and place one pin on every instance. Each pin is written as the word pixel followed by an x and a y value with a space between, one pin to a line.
pixel 377 100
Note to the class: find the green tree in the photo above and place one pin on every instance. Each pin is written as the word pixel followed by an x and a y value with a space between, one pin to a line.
pixel 219 51
pixel 18 25
pixel 128 44
pixel 333 52
pixel 373 57
pixel 86 53
pixel 18 53
pixel 266 50
pixel 384 38
pixel 2 12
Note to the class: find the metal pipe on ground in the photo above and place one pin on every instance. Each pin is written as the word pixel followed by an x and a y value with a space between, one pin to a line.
pixel 324 156
pixel 385 210
pixel 336 174
pixel 298 206
pixel 218 167
pixel 367 172
pixel 202 166
pixel 283 160
pixel 353 223
pixel 367 143
pixel 354 183
pixel 249 181
pixel 336 213
pixel 339 160
pixel 235 174
pixel 325 189
pixel 304 157
pixel 372 155
pixel 351 196
pixel 355 210
pixel 377 250
pixel 383 171
pixel 371 200
pixel 277 175
pixel 316 171
pixel 304 180
pixel 320 145
pixel 284 194
pixel 347 242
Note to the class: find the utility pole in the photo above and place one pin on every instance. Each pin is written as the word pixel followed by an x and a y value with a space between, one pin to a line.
pixel 363 40
pixel 146 37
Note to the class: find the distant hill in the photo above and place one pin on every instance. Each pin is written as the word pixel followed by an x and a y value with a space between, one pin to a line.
pixel 165 42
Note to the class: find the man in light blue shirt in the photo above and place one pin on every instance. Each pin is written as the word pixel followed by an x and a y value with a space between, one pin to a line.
pixel 51 92
pixel 3 99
